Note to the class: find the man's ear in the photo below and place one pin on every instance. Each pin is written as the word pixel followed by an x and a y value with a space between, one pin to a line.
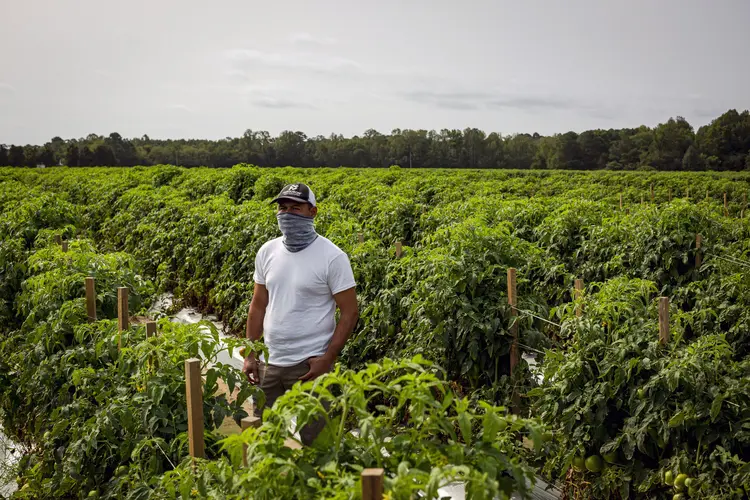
pixel 314 211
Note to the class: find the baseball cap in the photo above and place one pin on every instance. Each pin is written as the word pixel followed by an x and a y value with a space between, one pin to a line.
pixel 297 192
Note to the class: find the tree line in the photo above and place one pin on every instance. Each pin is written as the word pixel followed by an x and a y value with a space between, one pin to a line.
pixel 724 144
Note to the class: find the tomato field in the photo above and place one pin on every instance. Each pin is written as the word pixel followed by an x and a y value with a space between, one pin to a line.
pixel 423 389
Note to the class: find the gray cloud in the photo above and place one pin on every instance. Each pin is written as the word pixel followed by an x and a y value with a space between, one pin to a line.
pixel 244 60
pixel 266 101
pixel 503 65
pixel 472 100
pixel 535 102
pixel 181 107
pixel 306 39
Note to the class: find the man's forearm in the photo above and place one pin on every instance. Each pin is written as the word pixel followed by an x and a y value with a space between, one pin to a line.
pixel 254 328
pixel 341 334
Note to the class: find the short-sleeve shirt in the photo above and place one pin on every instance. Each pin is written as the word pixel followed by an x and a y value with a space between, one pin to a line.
pixel 300 316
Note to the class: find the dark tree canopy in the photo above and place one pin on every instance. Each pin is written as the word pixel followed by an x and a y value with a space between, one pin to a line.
pixel 724 144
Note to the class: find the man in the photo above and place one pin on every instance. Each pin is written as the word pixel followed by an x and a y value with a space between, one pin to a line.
pixel 300 279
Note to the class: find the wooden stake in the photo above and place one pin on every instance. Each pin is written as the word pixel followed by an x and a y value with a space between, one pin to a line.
pixel 663 320
pixel 652 192
pixel 90 299
pixel 578 295
pixel 641 199
pixel 65 246
pixel 687 193
pixel 246 423
pixel 698 241
pixel 726 208
pixel 372 484
pixel 150 329
pixel 744 199
pixel 194 392
pixel 620 201
pixel 58 239
pixel 670 195
pixel 122 312
pixel 360 237
pixel 515 357
pixel 398 250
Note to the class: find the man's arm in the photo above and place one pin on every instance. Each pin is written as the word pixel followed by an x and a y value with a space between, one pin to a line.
pixel 254 330
pixel 256 313
pixel 347 304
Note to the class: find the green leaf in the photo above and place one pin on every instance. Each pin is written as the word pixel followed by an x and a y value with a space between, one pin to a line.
pixel 464 424
pixel 716 407
pixel 677 419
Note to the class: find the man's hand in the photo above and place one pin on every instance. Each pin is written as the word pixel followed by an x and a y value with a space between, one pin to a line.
pixel 318 366
pixel 250 369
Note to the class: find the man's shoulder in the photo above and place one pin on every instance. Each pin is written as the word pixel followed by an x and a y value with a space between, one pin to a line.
pixel 270 245
pixel 328 247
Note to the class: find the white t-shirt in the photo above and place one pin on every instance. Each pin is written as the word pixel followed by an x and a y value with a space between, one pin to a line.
pixel 300 317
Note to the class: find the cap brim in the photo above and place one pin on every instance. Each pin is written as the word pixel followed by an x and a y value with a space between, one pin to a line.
pixel 293 198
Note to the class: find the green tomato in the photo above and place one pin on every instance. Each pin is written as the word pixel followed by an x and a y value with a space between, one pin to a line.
pixel 579 463
pixel 689 482
pixel 594 463
pixel 678 496
pixel 641 394
pixel 693 492
pixel 679 482
pixel 610 458
pixel 93 494
pixel 121 471
pixel 668 478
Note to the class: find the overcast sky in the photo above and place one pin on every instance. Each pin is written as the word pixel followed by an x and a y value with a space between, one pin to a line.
pixel 200 69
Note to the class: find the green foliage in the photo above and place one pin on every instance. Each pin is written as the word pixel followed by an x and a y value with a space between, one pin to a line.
pixel 616 390
pixel 400 416
pixel 609 390
pixel 88 408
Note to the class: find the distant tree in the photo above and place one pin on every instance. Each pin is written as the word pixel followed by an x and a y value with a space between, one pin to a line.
pixel 15 156
pixel 86 156
pixel 72 154
pixel 3 155
pixel 30 155
pixel 727 138
pixel 58 147
pixel 692 160
pixel 494 152
pixel 545 151
pixel 567 153
pixel 671 141
pixel 521 150
pixel 46 156
pixel 290 149
pixel 594 146
pixel 103 156
pixel 123 150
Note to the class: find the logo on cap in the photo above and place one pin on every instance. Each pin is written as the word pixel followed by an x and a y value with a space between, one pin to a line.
pixel 293 190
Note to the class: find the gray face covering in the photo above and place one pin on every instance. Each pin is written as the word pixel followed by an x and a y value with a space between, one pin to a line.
pixel 298 231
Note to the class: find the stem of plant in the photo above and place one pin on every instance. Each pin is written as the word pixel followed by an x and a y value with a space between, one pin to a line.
pixel 341 428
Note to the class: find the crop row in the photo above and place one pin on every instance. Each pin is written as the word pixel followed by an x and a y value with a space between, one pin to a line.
pixel 195 232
